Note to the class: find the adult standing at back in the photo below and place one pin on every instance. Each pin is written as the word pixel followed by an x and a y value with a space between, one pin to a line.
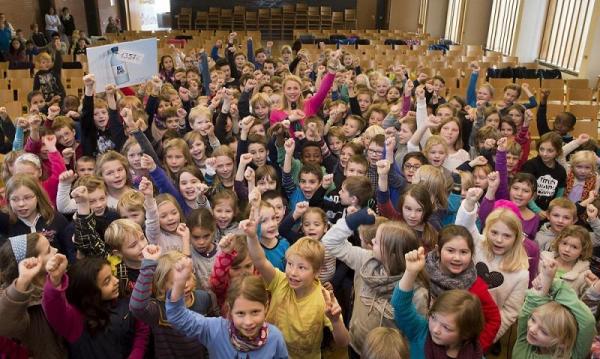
pixel 68 23
pixel 52 22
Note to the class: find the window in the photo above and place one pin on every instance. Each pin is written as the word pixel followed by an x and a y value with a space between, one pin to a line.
pixel 423 15
pixel 454 20
pixel 503 24
pixel 565 33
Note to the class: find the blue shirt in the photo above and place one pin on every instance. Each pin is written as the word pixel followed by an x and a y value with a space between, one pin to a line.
pixel 213 333
pixel 276 255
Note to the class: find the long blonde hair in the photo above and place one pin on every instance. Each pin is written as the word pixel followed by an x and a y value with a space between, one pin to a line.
pixel 561 326
pixel 284 102
pixel 434 180
pixel 165 264
pixel 516 257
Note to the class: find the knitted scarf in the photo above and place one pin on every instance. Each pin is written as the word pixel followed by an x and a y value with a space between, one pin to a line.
pixel 440 281
pixel 378 287
pixel 588 185
pixel 469 350
pixel 244 344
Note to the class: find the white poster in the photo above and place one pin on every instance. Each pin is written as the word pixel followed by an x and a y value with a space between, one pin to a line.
pixel 123 63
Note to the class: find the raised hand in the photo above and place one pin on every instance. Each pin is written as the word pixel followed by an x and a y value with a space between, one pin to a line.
pixel 183 231
pixel 415 260
pixel 53 111
pixel 49 141
pixel 152 252
pixel 248 226
pixel 289 146
pixel 147 163
pixel 478 161
pixel 226 243
pixel 503 144
pixel 420 93
pixel 383 167
pixel 327 180
pixel 67 177
pixel 146 187
pixel 333 311
pixel 254 198
pixel 250 175
pixel 549 268
pixel 296 115
pixel 182 271
pixel 301 208
pixel 245 159
pixel 80 194
pixel 246 123
pixel 583 138
pixel 29 268
pixel 89 81
pixel 56 268
pixel 110 89
pixel 592 212
pixel 493 181
pixel 473 194
pixel 68 154
pixel 22 122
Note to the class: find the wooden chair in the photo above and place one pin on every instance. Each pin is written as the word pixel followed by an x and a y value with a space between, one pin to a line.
pixel 239 18
pixel 350 20
pixel 21 83
pixel 586 126
pixel 214 14
pixel 14 109
pixel 577 83
pixel 301 18
pixel 225 19
pixel 18 74
pixel 584 111
pixel 534 85
pixel 201 21
pixel 276 23
pixel 251 20
pixel 184 18
pixel 554 84
pixel 337 20
pixel 579 95
pixel 6 95
pixel 264 19
pixel 289 19
pixel 71 73
pixel 314 18
pixel 498 85
pixel 3 69
pixel 553 109
pixel 326 15
pixel 4 84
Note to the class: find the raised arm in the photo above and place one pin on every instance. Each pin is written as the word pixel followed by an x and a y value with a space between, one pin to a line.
pixel 250 227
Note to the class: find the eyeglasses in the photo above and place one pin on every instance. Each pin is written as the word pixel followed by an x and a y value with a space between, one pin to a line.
pixel 411 167
pixel 375 152
pixel 23 199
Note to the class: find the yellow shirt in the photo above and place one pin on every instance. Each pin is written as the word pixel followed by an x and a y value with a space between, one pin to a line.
pixel 301 321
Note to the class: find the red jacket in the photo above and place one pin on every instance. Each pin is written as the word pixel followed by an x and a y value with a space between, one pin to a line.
pixel 491 313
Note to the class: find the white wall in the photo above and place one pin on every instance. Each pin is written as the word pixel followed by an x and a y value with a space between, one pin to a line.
pixel 530 30
pixel 590 65
pixel 404 15
pixel 436 17
pixel 477 22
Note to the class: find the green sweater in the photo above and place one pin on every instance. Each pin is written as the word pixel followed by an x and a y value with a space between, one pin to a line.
pixel 564 295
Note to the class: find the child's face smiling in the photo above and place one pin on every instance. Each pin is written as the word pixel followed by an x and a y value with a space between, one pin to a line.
pixel 312 155
pixel 455 256
pixel 268 223
pixel 101 117
pixel 277 204
pixel 313 226
pixel 309 183
pixel 299 272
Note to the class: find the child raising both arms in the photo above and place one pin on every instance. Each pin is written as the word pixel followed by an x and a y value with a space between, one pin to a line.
pixel 300 306
pixel 245 334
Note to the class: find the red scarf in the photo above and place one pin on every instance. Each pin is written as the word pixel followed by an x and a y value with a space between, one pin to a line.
pixel 588 185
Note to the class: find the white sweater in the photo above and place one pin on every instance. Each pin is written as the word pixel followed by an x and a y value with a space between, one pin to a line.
pixel 510 295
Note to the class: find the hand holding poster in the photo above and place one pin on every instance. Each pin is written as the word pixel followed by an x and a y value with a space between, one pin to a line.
pixel 124 63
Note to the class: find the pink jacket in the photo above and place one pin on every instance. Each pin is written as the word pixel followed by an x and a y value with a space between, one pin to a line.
pixel 312 105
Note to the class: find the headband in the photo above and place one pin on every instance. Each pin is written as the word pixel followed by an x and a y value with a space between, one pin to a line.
pixel 31 158
pixel 503 203
pixel 19 246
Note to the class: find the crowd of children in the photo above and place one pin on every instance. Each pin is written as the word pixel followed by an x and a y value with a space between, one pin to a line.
pixel 244 205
